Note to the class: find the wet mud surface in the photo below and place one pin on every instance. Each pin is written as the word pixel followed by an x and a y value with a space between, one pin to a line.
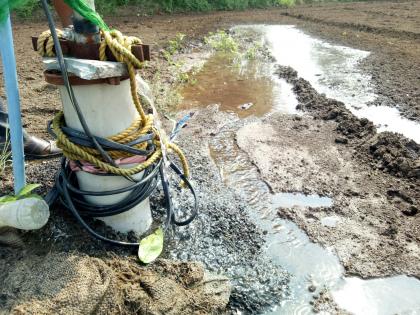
pixel 391 152
pixel 371 215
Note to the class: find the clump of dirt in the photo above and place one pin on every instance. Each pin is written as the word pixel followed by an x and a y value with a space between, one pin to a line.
pixel 324 302
pixel 329 109
pixel 395 154
pixel 389 151
pixel 61 283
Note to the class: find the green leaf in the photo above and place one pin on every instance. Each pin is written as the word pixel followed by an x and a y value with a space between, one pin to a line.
pixel 151 246
pixel 27 189
pixel 5 199
pixel 31 196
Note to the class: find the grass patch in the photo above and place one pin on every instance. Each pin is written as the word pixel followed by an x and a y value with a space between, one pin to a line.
pixel 5 155
pixel 222 41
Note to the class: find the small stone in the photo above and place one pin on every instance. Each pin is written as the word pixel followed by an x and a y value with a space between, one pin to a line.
pixel 411 211
pixel 341 140
pixel 246 106
pixel 312 288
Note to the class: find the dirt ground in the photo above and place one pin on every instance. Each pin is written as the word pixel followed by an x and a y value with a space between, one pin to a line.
pixel 390 30
pixel 373 179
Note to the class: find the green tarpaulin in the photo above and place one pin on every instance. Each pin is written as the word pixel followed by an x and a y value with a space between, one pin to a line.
pixel 79 6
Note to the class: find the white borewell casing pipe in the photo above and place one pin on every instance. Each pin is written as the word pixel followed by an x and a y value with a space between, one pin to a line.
pixel 108 110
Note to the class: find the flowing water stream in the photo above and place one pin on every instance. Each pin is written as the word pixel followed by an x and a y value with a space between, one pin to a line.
pixel 331 70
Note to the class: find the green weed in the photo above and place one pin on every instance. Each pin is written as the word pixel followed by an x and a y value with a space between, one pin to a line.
pixel 5 155
pixel 174 46
pixel 27 8
pixel 252 52
pixel 222 41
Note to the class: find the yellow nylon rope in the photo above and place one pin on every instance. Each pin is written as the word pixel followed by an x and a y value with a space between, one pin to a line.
pixel 120 46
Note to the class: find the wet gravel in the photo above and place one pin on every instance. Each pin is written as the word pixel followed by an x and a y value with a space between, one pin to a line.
pixel 223 237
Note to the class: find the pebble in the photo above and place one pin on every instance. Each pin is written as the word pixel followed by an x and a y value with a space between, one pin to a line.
pixel 312 288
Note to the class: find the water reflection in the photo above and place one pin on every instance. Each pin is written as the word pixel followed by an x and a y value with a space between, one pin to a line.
pixel 333 70
pixel 234 85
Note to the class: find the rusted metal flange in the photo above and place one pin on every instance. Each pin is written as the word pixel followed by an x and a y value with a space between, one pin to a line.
pixel 55 77
pixel 91 51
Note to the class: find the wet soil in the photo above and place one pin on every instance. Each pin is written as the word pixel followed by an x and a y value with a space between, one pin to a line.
pixel 390 151
pixel 295 153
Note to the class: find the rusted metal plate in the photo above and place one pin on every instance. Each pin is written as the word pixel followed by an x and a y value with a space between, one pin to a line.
pixel 91 51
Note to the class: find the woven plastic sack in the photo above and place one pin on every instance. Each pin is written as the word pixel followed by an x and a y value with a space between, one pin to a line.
pixel 62 283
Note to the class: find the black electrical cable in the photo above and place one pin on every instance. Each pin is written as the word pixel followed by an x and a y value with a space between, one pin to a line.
pixel 73 198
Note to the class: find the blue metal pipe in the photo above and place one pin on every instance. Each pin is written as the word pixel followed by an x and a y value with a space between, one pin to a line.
pixel 13 103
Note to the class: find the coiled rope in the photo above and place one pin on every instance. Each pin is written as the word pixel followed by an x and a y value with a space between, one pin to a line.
pixel 120 46
pixel 141 138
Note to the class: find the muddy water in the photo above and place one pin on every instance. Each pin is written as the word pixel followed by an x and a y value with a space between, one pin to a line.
pixel 246 88
pixel 332 70
pixel 286 244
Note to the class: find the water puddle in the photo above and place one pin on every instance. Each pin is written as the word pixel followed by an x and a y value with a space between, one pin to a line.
pixel 248 88
pixel 332 69
pixel 330 221
pixel 378 296
pixel 288 200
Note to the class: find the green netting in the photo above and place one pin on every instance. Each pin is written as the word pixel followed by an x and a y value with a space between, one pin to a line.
pixel 84 10
pixel 6 5
pixel 79 6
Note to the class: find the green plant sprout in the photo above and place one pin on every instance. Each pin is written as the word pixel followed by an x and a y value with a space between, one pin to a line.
pixel 5 155
pixel 222 41
pixel 25 192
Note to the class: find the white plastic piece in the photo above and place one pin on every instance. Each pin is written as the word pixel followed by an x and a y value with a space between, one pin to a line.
pixel 24 214
pixel 108 110
pixel 88 69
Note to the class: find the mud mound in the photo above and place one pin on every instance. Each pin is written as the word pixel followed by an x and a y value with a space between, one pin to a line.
pixel 391 152
pixel 396 154
pixel 310 100
pixel 349 125
pixel 61 283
